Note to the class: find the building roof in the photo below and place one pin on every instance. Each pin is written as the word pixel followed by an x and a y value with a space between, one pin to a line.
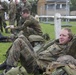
pixel 57 0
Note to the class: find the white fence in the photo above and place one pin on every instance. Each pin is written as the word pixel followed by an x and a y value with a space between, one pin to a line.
pixel 57 22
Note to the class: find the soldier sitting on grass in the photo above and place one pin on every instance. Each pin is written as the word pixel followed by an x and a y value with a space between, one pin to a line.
pixel 28 24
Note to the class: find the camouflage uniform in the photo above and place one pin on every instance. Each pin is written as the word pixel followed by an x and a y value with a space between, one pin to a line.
pixel 25 5
pixel 18 15
pixel 18 51
pixel 52 53
pixel 29 26
pixel 3 9
pixel 19 7
pixel 32 62
pixel 12 12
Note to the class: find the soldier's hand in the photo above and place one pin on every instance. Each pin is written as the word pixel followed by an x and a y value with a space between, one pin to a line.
pixel 11 26
pixel 7 27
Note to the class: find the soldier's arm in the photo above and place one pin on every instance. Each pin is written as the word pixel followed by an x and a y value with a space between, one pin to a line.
pixel 18 27
pixel 26 24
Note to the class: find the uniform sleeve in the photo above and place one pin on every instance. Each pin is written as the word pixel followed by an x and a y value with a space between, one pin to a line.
pixel 25 25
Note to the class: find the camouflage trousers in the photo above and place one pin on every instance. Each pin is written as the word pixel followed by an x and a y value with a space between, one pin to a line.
pixel 14 54
pixel 22 51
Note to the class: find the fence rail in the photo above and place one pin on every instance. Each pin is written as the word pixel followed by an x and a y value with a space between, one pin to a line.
pixel 57 22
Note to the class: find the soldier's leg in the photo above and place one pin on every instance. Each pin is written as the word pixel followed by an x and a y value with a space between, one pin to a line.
pixel 3 65
pixel 20 50
pixel 13 56
pixel 4 25
pixel 3 20
pixel 17 18
pixel 26 41
pixel 15 52
pixel 1 28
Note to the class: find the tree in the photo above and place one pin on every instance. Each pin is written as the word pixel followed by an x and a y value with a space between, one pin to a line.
pixel 34 6
pixel 73 5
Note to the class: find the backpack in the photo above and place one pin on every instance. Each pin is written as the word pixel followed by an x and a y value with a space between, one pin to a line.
pixel 70 69
pixel 57 68
pixel 17 71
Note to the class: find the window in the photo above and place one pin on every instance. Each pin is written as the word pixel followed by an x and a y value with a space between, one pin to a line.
pixel 58 6
pixel 49 6
pixel 64 6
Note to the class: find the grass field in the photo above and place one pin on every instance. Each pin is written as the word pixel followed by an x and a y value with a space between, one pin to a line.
pixel 46 28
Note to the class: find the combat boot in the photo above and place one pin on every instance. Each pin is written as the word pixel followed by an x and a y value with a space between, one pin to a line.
pixel 3 66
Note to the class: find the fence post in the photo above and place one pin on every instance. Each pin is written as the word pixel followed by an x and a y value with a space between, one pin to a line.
pixel 57 23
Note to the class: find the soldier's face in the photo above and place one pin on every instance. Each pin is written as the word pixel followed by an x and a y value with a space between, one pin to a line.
pixel 25 15
pixel 64 37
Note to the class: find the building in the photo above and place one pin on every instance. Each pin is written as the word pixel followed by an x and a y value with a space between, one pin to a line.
pixel 73 13
pixel 50 7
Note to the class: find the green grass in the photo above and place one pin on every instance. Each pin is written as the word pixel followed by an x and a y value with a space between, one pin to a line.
pixel 3 49
pixel 46 28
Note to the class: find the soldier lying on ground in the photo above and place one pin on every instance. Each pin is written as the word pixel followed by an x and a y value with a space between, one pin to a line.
pixel 37 63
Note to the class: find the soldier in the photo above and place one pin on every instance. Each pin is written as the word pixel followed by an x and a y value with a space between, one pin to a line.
pixel 1 16
pixel 3 9
pixel 37 63
pixel 18 10
pixel 20 6
pixel 12 12
pixel 28 24
pixel 25 4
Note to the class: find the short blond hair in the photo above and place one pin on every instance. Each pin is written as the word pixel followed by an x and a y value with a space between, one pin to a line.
pixel 70 32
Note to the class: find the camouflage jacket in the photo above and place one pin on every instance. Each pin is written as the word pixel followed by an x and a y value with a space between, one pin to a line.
pixel 52 53
pixel 26 5
pixel 29 24
pixel 20 6
pixel 12 9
